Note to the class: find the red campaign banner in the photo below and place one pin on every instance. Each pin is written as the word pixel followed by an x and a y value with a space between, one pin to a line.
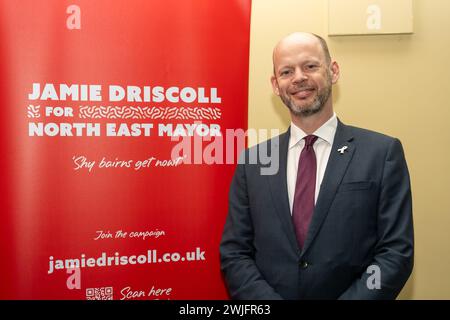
pixel 114 167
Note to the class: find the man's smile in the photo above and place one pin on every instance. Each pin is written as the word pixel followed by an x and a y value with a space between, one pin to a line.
pixel 303 93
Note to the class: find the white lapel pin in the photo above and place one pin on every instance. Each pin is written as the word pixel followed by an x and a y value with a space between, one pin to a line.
pixel 342 150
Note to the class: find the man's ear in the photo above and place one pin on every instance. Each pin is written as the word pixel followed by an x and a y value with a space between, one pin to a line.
pixel 335 72
pixel 275 87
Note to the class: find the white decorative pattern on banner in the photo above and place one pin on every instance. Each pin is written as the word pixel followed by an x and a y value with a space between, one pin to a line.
pixel 33 111
pixel 197 113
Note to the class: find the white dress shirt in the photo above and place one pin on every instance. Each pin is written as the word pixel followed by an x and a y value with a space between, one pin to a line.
pixel 322 149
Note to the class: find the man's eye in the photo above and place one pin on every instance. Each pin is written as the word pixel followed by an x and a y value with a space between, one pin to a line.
pixel 311 66
pixel 285 72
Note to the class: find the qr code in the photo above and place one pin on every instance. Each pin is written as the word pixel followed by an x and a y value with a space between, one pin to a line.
pixel 105 293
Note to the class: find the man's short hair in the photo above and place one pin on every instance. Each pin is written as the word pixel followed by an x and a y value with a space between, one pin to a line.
pixel 324 45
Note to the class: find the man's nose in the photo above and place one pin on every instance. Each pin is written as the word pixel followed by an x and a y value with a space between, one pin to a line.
pixel 299 76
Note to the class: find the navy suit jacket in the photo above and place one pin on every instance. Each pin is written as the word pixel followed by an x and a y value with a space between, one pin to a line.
pixel 362 217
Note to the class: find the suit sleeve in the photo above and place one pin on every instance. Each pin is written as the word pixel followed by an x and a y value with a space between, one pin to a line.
pixel 241 274
pixel 394 251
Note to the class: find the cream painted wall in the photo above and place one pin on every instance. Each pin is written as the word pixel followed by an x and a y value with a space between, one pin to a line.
pixel 395 84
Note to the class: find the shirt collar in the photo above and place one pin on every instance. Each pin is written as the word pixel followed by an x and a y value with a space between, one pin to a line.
pixel 325 132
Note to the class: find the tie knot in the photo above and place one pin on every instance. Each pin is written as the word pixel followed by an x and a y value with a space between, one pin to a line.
pixel 309 140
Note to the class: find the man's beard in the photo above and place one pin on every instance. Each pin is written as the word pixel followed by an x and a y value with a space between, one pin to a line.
pixel 312 108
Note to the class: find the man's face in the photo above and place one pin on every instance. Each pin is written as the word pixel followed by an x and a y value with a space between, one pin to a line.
pixel 303 78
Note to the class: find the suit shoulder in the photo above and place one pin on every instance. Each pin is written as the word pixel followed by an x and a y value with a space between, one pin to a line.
pixel 269 143
pixel 367 136
pixel 261 153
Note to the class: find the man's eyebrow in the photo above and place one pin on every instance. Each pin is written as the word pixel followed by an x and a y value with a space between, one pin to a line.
pixel 285 65
pixel 312 61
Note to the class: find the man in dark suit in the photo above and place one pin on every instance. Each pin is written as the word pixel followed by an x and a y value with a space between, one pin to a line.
pixel 335 221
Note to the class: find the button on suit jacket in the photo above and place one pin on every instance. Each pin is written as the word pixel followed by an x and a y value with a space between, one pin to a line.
pixel 362 218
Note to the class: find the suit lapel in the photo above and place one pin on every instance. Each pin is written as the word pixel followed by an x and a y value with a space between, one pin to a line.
pixel 278 187
pixel 336 167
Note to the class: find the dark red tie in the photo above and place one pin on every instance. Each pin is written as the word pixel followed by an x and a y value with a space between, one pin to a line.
pixel 305 189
